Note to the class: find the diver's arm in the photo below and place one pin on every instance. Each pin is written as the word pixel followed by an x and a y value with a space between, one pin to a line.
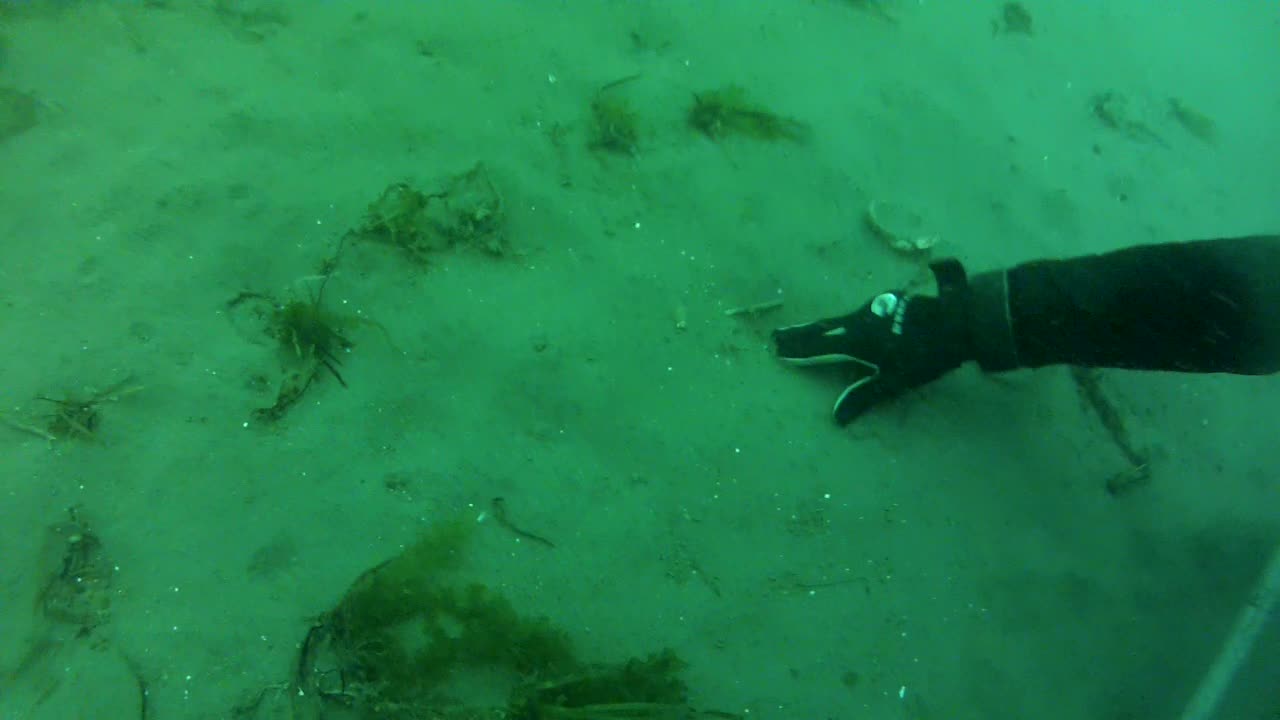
pixel 1205 306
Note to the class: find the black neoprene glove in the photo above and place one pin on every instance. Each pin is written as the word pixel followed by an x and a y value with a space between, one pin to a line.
pixel 892 344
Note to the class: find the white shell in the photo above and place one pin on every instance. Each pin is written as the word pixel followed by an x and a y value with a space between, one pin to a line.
pixel 901 227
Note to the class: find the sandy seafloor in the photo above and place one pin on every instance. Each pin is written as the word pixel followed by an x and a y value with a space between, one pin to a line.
pixel 968 561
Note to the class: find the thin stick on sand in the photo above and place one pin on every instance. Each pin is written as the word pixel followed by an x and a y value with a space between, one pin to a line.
pixel 27 428
pixel 754 309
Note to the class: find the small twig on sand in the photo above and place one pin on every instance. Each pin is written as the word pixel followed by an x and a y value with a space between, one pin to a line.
pixel 754 309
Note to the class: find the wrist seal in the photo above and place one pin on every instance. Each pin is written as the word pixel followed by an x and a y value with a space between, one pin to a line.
pixel 991 322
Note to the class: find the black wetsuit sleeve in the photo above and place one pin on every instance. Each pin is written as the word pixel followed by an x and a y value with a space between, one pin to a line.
pixel 1204 306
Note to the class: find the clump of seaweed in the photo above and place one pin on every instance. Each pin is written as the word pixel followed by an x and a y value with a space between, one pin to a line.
pixel 399 218
pixel 614 126
pixel 1200 125
pixel 250 22
pixel 76 587
pixel 311 334
pixel 406 627
pixel 874 8
pixel 1117 112
pixel 727 111
pixel 411 638
pixel 1014 19
pixel 311 338
pixel 19 112
pixel 640 688
pixel 467 211
pixel 74 416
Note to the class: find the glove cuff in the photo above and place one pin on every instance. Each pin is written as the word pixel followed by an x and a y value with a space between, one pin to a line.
pixel 991 323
